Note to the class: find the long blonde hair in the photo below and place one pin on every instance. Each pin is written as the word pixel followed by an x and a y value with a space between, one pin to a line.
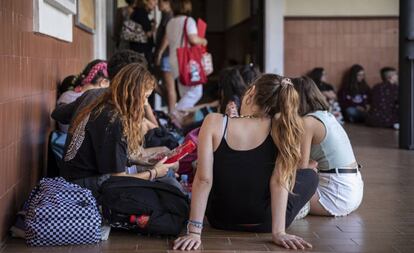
pixel 127 95
pixel 277 97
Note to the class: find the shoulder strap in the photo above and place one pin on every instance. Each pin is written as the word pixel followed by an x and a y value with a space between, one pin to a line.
pixel 225 124
pixel 184 35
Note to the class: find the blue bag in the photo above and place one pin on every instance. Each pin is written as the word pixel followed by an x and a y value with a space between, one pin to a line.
pixel 61 213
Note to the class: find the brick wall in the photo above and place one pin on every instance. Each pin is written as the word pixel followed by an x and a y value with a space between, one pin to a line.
pixel 337 43
pixel 31 65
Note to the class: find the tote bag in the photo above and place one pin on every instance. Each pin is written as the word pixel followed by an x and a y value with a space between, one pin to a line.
pixel 191 71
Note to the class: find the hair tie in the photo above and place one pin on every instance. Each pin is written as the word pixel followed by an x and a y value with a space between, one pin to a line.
pixel 102 66
pixel 286 82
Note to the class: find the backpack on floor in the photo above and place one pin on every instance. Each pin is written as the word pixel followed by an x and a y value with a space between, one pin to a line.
pixel 61 213
pixel 144 206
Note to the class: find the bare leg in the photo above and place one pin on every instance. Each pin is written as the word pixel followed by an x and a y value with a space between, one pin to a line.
pixel 316 207
pixel 171 93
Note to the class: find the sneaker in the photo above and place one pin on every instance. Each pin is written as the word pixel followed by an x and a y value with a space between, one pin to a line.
pixel 303 212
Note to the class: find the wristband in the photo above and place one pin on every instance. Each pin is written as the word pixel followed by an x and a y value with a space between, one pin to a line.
pixel 196 224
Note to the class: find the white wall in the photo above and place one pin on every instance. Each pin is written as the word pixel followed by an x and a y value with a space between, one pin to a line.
pixel 320 8
pixel 51 21
pixel 273 41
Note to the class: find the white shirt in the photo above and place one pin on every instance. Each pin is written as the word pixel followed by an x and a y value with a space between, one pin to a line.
pixel 174 33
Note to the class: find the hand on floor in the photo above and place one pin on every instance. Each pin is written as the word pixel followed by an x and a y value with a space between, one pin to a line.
pixel 187 242
pixel 290 241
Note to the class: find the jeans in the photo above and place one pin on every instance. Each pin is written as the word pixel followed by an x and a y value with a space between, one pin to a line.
pixel 305 187
pixel 354 115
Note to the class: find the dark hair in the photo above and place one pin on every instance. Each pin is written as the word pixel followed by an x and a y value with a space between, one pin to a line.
pixel 277 97
pixel 351 83
pixel 130 2
pixel 316 75
pixel 384 72
pixel 311 98
pixel 67 84
pixel 181 7
pixel 86 71
pixel 122 58
pixel 250 73
pixel 231 87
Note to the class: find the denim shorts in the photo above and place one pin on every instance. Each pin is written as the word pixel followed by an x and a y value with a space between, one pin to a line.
pixel 165 64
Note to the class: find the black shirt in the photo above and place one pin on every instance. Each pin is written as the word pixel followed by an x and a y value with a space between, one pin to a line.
pixel 66 112
pixel 103 150
pixel 325 87
pixel 166 16
pixel 140 16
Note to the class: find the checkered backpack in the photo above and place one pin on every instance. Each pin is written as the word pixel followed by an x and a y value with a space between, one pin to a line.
pixel 61 213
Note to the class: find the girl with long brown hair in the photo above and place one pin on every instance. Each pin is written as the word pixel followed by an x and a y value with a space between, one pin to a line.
pixel 340 189
pixel 247 167
pixel 106 135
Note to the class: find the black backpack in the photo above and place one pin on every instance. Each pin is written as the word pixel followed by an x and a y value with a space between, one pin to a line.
pixel 123 197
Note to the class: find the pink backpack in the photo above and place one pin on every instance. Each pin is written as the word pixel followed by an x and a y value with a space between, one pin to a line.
pixel 186 164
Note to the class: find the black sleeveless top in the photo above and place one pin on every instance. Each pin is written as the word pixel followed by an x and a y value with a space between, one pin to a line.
pixel 240 193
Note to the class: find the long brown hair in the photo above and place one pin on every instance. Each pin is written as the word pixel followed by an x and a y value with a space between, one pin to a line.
pixel 311 98
pixel 277 97
pixel 127 96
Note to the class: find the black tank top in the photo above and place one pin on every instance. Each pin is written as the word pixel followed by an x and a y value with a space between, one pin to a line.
pixel 240 193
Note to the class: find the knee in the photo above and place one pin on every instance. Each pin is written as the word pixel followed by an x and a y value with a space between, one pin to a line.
pixel 310 176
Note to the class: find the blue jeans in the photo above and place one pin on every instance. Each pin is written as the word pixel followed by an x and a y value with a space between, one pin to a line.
pixel 354 115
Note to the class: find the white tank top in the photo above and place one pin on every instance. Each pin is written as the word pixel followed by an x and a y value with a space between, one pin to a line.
pixel 335 150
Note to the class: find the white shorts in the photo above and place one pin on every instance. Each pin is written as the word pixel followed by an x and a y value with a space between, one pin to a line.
pixel 340 193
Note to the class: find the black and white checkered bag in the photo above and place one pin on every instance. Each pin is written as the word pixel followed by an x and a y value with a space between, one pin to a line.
pixel 61 213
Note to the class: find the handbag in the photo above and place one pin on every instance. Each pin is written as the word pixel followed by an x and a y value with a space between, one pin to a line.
pixel 191 71
pixel 61 213
pixel 133 32
pixel 207 62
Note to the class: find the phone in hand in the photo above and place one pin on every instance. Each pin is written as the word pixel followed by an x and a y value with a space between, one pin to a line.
pixel 176 154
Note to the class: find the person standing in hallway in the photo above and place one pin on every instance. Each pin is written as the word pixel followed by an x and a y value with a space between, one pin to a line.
pixel 165 66
pixel 173 40
pixel 141 16
pixel 354 95
pixel 122 14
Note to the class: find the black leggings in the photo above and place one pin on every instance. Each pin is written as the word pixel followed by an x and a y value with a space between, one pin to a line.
pixel 305 187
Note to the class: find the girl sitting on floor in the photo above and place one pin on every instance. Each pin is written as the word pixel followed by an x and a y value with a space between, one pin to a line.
pixel 107 136
pixel 247 167
pixel 325 141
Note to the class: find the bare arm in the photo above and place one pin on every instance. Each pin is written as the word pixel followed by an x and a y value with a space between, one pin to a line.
pixel 163 47
pixel 201 186
pixel 279 199
pixel 306 143
pixel 149 115
pixel 194 39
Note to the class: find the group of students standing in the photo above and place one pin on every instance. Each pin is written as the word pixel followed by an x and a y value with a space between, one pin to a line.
pixel 160 50
pixel 377 106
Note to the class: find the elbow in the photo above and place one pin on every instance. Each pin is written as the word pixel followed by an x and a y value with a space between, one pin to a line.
pixel 204 181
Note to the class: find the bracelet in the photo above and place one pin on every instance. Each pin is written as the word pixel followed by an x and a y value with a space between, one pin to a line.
pixel 150 175
pixel 156 173
pixel 196 224
pixel 191 232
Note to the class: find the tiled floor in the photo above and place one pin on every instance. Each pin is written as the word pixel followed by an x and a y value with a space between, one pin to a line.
pixel 384 222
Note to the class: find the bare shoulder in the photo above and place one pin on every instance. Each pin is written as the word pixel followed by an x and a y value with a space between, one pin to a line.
pixel 212 121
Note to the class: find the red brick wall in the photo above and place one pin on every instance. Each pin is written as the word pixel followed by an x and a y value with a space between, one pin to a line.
pixel 31 65
pixel 337 43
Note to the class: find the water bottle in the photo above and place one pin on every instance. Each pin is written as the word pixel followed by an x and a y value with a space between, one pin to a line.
pixel 186 186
